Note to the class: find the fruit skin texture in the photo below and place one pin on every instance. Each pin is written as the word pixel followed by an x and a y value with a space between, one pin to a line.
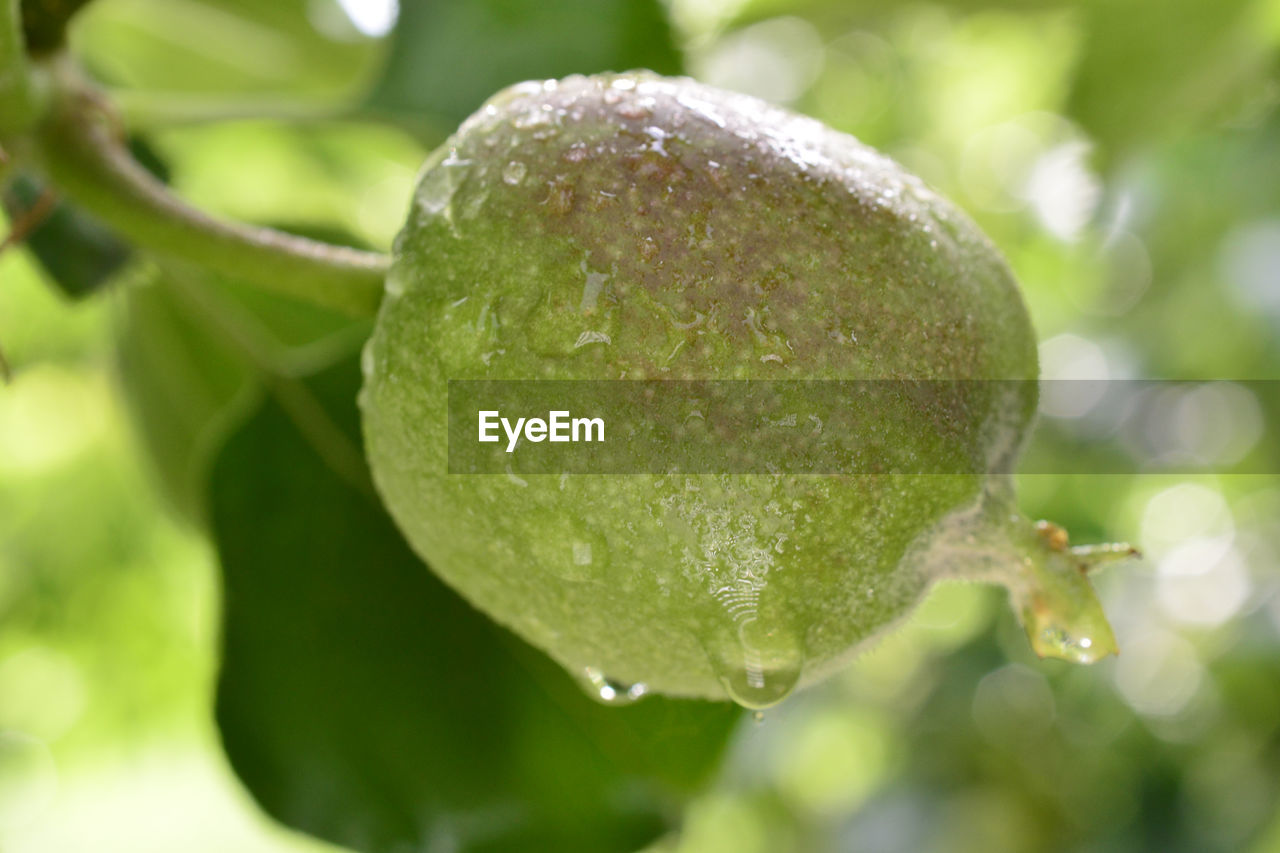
pixel 636 227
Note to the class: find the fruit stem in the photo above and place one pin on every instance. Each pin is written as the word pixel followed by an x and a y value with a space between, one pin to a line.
pixel 82 151
pixel 1047 580
pixel 19 105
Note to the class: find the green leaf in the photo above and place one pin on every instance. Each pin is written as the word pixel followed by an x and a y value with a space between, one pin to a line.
pixel 78 252
pixel 365 703
pixel 194 354
pixel 227 49
pixel 448 56
pixel 184 386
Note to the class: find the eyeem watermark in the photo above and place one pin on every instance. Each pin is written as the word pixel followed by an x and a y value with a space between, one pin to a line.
pixel 559 426
pixel 861 427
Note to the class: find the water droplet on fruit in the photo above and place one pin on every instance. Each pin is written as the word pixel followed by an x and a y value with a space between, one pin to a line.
pixel 611 691
pixel 758 664
pixel 576 153
pixel 590 336
pixel 436 191
pixel 1059 609
pixel 394 285
pixel 514 173
pixel 591 288
pixel 533 118
pixel 1055 641
pixel 474 205
pixel 635 110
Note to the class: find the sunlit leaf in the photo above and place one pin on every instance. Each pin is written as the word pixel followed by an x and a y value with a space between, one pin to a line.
pixel 195 352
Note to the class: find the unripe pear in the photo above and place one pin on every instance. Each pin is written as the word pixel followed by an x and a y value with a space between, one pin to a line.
pixel 629 226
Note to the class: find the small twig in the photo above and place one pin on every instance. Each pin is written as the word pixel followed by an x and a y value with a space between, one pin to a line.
pixel 31 219
pixel 86 160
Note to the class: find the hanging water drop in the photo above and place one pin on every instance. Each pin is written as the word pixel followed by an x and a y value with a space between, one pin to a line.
pixel 610 691
pixel 758 664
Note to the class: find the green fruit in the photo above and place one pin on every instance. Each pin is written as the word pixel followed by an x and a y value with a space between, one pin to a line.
pixel 631 226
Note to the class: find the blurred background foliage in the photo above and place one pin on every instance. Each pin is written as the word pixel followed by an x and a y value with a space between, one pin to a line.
pixel 1124 154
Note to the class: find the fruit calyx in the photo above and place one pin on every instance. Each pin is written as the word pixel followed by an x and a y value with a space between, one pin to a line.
pixel 1049 588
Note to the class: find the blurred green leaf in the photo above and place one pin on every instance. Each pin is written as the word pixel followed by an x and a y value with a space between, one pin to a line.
pixel 193 355
pixel 78 252
pixel 448 57
pixel 365 703
pixel 1151 67
pixel 301 48
pixel 184 385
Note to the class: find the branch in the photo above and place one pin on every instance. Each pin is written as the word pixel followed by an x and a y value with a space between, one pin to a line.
pixel 90 164
pixel 18 104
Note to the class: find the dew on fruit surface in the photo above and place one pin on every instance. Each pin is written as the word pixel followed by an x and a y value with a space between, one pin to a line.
pixel 526 88
pixel 561 196
pixel 591 337
pixel 534 118
pixel 435 193
pixel 611 691
pixel 705 109
pixel 513 173
pixel 684 325
pixel 474 205
pixel 393 286
pixel 591 288
pixel 636 110
pixel 1059 643
pixel 659 136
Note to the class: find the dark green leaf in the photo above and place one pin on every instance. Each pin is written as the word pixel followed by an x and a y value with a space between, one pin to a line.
pixel 77 251
pixel 365 703
pixel 448 56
